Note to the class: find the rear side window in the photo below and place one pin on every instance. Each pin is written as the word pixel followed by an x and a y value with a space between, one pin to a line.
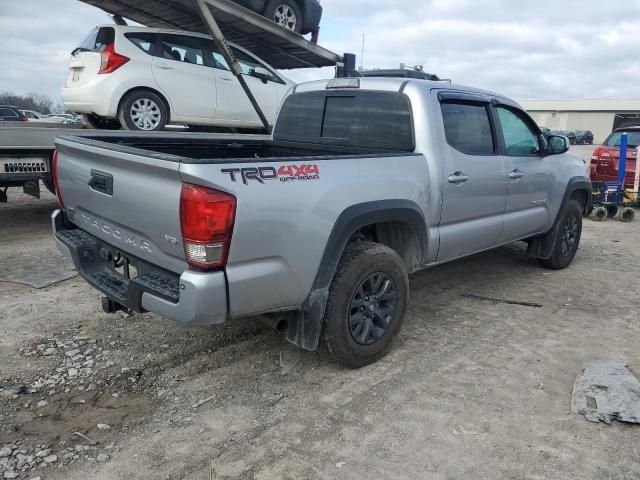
pixel 98 39
pixel 468 128
pixel 181 48
pixel 144 41
pixel 633 139
pixel 364 119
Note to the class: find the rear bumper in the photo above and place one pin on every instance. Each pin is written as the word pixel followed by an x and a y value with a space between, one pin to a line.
pixel 193 297
pixel 101 95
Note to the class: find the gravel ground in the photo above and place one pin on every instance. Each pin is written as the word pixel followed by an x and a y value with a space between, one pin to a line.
pixel 471 389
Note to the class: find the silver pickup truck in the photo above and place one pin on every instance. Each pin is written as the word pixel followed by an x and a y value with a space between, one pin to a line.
pixel 363 182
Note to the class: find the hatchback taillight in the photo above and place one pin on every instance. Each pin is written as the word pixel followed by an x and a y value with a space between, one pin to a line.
pixel 54 175
pixel 206 219
pixel 111 61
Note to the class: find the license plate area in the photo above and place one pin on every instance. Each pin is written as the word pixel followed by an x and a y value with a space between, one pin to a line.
pixel 76 73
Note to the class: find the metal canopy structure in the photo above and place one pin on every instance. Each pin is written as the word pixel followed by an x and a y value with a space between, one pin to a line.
pixel 279 47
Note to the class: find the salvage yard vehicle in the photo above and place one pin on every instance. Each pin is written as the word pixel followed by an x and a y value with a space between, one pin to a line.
pixel 364 181
pixel 605 158
pixel 141 78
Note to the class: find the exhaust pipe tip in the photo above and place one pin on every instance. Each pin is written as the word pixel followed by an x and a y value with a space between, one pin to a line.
pixel 277 324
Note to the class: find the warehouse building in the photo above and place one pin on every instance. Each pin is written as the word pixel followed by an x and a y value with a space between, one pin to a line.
pixel 599 116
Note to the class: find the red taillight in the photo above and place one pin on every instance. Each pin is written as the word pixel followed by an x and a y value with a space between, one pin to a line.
pixel 111 61
pixel 54 174
pixel 206 218
pixel 24 119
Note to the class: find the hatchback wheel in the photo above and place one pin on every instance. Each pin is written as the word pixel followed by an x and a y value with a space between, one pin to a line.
pixel 143 110
pixel 285 13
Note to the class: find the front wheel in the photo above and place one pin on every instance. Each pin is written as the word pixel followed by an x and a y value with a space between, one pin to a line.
pixel 567 238
pixel 143 110
pixel 367 302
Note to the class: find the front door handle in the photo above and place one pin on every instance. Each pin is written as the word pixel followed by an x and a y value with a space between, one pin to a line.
pixel 516 174
pixel 164 66
pixel 226 79
pixel 458 178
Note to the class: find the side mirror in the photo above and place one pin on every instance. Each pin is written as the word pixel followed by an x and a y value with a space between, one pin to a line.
pixel 261 73
pixel 557 144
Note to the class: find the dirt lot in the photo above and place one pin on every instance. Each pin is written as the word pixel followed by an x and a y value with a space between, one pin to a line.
pixel 471 389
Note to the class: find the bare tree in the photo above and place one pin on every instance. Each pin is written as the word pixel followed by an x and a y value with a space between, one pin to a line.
pixel 30 101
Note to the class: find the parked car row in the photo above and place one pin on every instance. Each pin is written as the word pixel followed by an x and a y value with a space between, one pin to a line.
pixel 62 118
pixel 577 137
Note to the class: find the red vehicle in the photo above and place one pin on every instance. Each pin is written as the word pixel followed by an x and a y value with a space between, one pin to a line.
pixel 604 161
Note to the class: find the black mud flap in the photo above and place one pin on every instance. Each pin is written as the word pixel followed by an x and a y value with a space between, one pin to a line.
pixel 32 187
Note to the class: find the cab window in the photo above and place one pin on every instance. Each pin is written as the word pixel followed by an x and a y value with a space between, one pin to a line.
pixel 519 137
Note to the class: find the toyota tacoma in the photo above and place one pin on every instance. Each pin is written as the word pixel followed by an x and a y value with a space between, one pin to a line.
pixel 363 181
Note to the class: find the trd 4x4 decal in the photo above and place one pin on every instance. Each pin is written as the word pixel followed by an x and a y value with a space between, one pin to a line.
pixel 284 173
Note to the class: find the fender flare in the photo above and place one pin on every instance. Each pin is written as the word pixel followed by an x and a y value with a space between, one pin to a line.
pixel 305 325
pixel 542 247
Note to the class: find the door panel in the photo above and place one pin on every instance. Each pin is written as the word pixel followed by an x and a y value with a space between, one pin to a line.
pixel 180 72
pixel 475 182
pixel 531 177
pixel 233 106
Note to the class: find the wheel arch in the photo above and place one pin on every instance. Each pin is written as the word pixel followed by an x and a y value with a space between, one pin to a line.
pixel 147 89
pixel 399 224
pixel 578 188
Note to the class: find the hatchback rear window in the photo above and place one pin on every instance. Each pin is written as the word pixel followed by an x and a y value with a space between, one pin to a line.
pixel 98 39
pixel 633 139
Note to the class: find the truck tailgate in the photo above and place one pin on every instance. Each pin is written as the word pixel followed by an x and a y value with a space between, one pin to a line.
pixel 108 190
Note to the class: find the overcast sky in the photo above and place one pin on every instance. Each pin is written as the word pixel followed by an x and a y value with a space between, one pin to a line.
pixel 543 49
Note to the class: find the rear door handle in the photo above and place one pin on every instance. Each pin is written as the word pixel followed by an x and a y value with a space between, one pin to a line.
pixel 226 79
pixel 516 174
pixel 458 178
pixel 164 66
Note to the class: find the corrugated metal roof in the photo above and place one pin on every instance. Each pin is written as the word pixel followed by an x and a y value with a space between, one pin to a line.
pixel 279 47
pixel 593 105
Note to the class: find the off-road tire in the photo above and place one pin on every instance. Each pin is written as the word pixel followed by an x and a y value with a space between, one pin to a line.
pixel 270 10
pixel 141 95
pixel 571 214
pixel 359 262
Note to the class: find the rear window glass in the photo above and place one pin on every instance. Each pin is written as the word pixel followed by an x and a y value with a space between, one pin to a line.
pixel 98 39
pixel 467 128
pixel 633 139
pixel 362 119
pixel 144 41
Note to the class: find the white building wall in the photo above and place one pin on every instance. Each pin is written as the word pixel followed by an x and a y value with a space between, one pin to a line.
pixel 600 123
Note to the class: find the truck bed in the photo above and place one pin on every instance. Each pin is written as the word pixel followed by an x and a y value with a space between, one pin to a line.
pixel 207 148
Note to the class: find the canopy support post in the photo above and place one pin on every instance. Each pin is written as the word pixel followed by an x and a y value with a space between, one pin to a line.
pixel 232 61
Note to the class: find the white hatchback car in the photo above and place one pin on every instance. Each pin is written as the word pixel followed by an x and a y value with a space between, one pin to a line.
pixel 142 79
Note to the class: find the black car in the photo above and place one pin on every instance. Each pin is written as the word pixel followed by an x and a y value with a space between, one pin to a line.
pixel 584 137
pixel 11 114
pixel 545 131
pixel 301 16
pixel 566 133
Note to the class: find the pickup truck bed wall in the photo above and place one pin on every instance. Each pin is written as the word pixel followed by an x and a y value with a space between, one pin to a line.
pixel 373 161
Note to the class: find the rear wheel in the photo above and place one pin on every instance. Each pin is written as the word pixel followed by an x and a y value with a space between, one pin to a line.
pixel 366 306
pixel 143 110
pixel 285 13
pixel 627 214
pixel 101 123
pixel 567 238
